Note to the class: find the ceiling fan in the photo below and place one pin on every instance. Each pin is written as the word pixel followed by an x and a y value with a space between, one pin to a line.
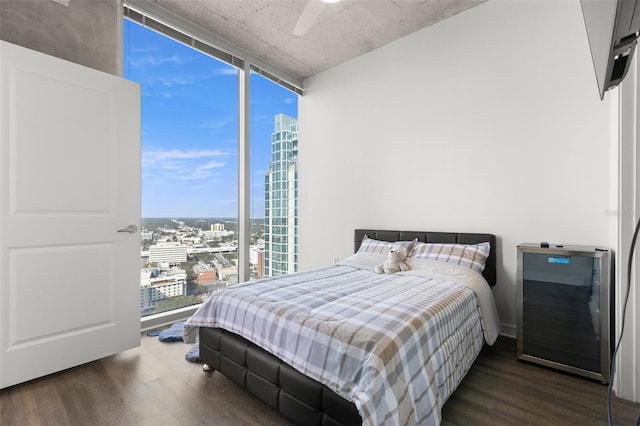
pixel 314 8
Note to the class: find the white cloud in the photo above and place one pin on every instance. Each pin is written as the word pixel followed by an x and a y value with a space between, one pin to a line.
pixel 175 80
pixel 211 165
pixel 230 71
pixel 153 156
pixel 139 61
pixel 164 167
pixel 216 124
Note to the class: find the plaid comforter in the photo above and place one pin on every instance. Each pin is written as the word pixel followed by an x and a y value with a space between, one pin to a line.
pixel 396 345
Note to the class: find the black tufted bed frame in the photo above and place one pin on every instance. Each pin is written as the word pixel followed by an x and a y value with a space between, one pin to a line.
pixel 302 400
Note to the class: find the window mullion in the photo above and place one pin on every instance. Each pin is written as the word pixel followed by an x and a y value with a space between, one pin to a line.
pixel 244 167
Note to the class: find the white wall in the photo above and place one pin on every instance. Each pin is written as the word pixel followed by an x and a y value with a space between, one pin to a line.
pixel 487 122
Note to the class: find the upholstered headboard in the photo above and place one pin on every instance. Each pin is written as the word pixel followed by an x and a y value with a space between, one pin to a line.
pixel 489 272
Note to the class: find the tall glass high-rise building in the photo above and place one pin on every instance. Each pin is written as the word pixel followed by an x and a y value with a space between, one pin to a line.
pixel 281 199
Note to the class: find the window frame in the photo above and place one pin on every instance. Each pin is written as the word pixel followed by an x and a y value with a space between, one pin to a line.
pixel 158 19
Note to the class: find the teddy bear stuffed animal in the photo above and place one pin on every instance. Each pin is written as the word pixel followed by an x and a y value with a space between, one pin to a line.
pixel 395 261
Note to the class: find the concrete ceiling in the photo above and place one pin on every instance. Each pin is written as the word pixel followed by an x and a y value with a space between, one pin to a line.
pixel 342 31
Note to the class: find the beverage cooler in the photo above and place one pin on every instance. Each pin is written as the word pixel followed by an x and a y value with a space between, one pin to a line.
pixel 564 311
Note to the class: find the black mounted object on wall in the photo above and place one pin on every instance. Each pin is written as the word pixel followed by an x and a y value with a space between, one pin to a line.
pixel 612 27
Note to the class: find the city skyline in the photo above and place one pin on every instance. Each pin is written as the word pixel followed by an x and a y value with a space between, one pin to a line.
pixel 189 128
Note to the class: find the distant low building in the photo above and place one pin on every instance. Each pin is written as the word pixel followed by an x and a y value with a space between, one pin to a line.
pixel 168 252
pixel 157 285
pixel 256 260
pixel 228 275
pixel 217 235
pixel 206 275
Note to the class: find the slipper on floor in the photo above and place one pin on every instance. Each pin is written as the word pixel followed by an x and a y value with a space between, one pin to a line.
pixel 194 354
pixel 172 334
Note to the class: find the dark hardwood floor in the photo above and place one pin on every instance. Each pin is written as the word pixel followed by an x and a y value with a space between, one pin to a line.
pixel 154 385
pixel 500 390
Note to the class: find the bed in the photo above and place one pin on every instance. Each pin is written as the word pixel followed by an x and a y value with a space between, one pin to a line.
pixel 344 345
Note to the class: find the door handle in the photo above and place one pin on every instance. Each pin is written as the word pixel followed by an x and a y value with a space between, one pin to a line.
pixel 130 229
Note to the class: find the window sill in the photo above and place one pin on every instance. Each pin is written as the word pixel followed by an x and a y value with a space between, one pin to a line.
pixel 166 318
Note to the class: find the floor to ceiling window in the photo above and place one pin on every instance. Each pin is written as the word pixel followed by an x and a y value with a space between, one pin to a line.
pixel 190 179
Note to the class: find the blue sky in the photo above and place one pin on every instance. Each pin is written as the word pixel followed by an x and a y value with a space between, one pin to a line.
pixel 190 127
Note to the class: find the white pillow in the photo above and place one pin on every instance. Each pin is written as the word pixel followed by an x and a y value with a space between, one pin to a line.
pixel 473 256
pixel 369 245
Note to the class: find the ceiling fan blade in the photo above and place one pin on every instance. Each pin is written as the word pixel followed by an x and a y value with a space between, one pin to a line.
pixel 308 17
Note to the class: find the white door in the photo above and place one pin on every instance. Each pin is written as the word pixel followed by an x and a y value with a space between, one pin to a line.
pixel 69 181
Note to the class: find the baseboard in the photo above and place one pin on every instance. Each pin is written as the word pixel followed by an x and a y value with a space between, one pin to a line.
pixel 508 330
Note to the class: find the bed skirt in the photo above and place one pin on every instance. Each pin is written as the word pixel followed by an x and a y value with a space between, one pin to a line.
pixel 296 396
